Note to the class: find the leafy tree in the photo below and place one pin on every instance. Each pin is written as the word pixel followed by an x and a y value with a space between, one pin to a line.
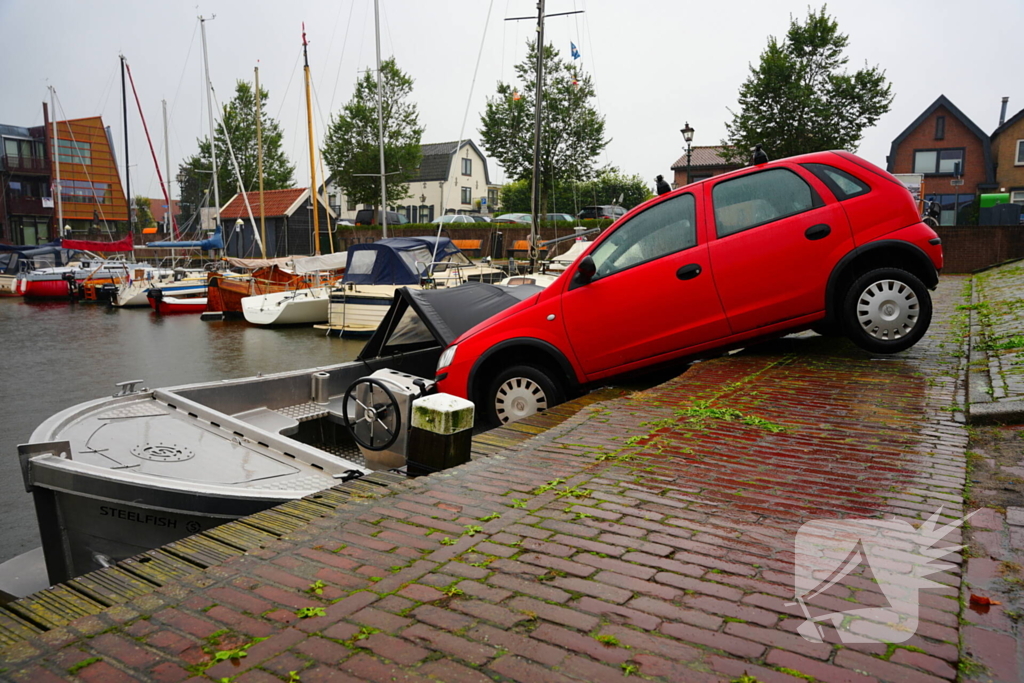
pixel 572 132
pixel 238 122
pixel 143 212
pixel 606 188
pixel 352 145
pixel 801 99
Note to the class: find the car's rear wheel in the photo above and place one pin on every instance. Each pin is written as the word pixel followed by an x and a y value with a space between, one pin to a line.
pixel 886 310
pixel 520 391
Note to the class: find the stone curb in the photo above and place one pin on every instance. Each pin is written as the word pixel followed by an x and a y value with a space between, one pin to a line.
pixel 981 408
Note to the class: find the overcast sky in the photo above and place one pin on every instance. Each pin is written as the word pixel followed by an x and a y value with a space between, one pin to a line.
pixel 656 65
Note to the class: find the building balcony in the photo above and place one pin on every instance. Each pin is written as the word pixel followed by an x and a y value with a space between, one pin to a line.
pixel 30 206
pixel 27 165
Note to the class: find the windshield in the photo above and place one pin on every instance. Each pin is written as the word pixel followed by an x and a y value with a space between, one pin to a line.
pixel 417 259
pixel 410 330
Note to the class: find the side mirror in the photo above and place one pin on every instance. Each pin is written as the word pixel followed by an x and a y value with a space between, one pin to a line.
pixel 585 270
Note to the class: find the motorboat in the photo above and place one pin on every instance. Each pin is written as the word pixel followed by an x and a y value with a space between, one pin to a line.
pixel 118 475
pixel 376 270
pixel 169 305
pixel 68 282
pixel 179 282
pixel 306 302
pixel 16 261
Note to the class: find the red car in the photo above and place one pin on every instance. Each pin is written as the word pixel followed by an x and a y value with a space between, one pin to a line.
pixel 825 241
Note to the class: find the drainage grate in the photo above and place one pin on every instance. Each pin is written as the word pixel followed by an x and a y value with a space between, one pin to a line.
pixel 162 452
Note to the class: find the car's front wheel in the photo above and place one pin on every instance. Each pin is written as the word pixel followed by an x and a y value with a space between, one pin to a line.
pixel 520 391
pixel 886 310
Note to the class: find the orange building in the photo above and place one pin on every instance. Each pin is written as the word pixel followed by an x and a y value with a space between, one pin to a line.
pixel 91 190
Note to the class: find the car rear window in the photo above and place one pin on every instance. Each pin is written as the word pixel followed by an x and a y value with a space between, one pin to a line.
pixel 752 200
pixel 842 184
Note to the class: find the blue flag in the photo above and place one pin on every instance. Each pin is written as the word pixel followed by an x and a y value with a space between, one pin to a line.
pixel 575 52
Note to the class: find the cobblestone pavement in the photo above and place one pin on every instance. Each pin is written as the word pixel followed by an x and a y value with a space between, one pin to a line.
pixel 992 636
pixel 997 350
pixel 647 538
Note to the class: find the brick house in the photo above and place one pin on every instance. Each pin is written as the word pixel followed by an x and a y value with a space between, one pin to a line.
pixel 705 161
pixel 1008 154
pixel 939 143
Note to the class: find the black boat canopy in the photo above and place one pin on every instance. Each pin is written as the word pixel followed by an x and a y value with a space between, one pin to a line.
pixel 425 318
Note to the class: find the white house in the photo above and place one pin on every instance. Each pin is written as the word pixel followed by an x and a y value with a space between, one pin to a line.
pixel 449 180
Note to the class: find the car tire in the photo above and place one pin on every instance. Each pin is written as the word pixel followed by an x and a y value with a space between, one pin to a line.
pixel 518 392
pixel 886 310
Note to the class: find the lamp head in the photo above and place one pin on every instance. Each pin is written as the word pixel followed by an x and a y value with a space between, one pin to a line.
pixel 687 132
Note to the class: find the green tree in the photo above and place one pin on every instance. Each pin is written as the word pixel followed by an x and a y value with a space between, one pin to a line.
pixel 801 99
pixel 572 132
pixel 609 185
pixel 143 212
pixel 352 146
pixel 238 122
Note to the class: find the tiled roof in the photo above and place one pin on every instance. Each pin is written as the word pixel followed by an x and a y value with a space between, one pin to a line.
pixel 708 155
pixel 275 203
pixel 437 158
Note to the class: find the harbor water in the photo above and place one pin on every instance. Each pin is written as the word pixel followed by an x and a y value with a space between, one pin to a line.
pixel 56 354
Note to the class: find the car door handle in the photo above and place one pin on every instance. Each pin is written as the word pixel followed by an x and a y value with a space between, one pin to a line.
pixel 688 272
pixel 817 232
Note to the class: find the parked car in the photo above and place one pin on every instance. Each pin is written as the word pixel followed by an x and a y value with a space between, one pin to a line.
pixel 453 218
pixel 479 218
pixel 823 240
pixel 604 211
pixel 513 218
pixel 371 216
pixel 560 217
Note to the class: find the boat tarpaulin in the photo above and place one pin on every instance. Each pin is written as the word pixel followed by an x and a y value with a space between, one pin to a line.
pixel 215 241
pixel 421 318
pixel 312 264
pixel 254 263
pixel 395 260
pixel 124 244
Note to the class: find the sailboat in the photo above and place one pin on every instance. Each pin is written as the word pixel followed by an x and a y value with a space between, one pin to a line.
pixel 307 304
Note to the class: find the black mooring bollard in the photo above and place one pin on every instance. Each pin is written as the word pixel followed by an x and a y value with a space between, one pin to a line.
pixel 440 434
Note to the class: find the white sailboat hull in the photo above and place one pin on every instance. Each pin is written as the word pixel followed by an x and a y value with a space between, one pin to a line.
pixel 297 307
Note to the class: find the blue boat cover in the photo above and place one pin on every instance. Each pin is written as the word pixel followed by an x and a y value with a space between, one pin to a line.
pixel 395 260
pixel 216 241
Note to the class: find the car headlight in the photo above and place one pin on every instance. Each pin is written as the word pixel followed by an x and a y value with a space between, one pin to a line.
pixel 446 358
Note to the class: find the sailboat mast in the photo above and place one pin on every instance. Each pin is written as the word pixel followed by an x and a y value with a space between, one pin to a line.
pixel 56 164
pixel 169 220
pixel 380 126
pixel 127 170
pixel 259 163
pixel 209 107
pixel 535 193
pixel 312 153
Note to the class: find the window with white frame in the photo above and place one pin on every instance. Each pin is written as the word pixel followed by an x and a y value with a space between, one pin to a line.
pixel 467 167
pixel 467 195
pixel 1017 196
pixel 1020 153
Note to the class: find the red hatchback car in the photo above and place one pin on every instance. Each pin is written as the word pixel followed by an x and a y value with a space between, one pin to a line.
pixel 825 241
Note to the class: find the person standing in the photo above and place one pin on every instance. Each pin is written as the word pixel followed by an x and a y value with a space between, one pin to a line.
pixel 662 186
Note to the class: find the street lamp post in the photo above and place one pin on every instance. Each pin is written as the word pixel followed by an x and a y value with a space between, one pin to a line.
pixel 687 132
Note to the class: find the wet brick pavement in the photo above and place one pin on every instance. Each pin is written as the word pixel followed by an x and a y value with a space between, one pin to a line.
pixel 646 538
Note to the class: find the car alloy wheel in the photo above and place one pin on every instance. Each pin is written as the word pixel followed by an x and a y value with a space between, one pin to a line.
pixel 521 391
pixel 888 309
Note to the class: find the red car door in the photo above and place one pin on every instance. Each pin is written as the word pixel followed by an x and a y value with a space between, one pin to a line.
pixel 652 293
pixel 776 240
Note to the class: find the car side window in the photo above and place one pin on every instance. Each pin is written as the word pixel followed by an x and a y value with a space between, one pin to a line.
pixel 842 184
pixel 752 200
pixel 665 228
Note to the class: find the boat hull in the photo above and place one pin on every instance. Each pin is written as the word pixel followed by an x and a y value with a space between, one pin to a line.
pixel 170 305
pixel 120 475
pixel 11 285
pixel 358 311
pixel 298 307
